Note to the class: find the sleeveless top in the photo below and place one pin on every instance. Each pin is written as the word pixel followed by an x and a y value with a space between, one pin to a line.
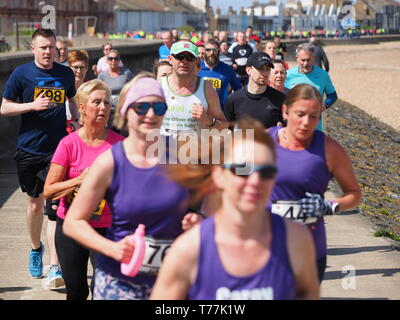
pixel 274 281
pixel 300 172
pixel 142 196
pixel 179 113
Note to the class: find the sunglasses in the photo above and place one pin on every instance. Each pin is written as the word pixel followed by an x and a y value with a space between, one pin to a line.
pixel 78 68
pixel 182 56
pixel 266 171
pixel 211 49
pixel 113 58
pixel 141 108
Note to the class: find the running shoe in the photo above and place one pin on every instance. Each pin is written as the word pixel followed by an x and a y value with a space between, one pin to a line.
pixel 54 277
pixel 36 263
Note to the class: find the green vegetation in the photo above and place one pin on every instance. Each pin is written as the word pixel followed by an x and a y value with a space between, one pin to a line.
pixel 384 233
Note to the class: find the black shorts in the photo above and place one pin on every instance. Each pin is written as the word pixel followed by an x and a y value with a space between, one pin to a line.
pixel 32 171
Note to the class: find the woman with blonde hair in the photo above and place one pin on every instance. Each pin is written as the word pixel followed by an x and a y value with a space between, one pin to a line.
pixel 130 178
pixel 69 166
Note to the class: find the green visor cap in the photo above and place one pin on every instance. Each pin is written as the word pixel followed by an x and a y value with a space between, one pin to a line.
pixel 184 46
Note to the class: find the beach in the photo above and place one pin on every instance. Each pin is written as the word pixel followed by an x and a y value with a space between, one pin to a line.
pixel 368 76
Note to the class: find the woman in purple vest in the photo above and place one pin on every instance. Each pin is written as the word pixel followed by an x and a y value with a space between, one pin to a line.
pixel 242 251
pixel 307 160
pixel 130 179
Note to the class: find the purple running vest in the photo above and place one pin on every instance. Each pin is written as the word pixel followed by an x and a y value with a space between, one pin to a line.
pixel 274 281
pixel 300 172
pixel 141 196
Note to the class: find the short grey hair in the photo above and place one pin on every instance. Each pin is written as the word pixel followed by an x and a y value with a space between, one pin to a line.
pixel 304 47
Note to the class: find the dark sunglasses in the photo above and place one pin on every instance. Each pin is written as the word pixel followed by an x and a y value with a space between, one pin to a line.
pixel 113 58
pixel 141 108
pixel 266 171
pixel 182 56
pixel 211 49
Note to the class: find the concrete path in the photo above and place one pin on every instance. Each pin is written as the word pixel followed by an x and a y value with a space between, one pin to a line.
pixel 360 266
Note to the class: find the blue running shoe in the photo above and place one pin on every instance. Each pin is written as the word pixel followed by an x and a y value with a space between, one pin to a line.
pixel 36 263
pixel 54 277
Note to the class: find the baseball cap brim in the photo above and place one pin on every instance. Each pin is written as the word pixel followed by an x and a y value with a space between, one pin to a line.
pixel 184 46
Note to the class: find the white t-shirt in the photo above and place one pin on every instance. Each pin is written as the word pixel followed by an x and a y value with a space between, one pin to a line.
pixel 102 65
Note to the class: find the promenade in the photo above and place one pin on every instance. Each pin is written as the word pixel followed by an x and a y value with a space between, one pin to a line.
pixel 360 266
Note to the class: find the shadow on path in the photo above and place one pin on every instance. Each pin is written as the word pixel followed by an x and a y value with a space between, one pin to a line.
pixel 353 250
pixel 334 275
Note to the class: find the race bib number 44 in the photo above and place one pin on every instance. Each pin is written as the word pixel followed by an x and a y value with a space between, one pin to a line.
pixel 156 249
pixel 56 95
pixel 291 210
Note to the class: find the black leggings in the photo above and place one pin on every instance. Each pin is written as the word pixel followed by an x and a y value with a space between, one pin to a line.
pixel 74 263
pixel 321 266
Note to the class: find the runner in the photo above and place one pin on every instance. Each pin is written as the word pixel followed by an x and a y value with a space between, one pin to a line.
pixel 218 73
pixel 281 50
pixel 224 55
pixel 240 54
pixel 307 72
pixel 129 178
pixel 115 77
pixel 192 102
pixel 257 100
pixel 69 166
pixel 242 251
pixel 307 160
pixel 164 50
pixel 102 64
pixel 162 69
pixel 320 57
pixel 277 76
pixel 271 49
pixel 62 46
pixel 41 88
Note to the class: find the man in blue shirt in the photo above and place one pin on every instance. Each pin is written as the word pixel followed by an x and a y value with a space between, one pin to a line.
pixel 164 50
pixel 218 73
pixel 38 91
pixel 307 72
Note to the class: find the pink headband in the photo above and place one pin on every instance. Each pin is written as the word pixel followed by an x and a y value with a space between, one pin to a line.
pixel 144 87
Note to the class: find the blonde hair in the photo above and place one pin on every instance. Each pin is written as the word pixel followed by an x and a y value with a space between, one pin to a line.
pixel 120 122
pixel 86 89
pixel 302 92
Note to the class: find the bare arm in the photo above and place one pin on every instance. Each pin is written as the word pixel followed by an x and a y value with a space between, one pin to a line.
pixel 90 194
pixel 179 268
pixel 303 261
pixel 214 107
pixel 339 163
pixel 56 187
pixel 11 108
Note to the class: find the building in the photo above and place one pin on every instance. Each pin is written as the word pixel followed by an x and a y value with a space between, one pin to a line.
pixel 378 14
pixel 28 14
pixel 263 17
pixel 157 15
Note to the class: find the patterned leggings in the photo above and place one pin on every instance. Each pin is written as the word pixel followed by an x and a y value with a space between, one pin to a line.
pixel 107 287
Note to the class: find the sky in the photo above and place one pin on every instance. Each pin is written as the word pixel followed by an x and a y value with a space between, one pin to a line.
pixel 236 4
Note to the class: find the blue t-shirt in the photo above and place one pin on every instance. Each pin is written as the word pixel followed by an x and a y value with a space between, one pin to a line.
pixel 41 131
pixel 163 52
pixel 318 78
pixel 220 77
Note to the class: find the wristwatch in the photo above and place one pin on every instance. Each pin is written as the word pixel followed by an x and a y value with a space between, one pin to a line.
pixel 335 207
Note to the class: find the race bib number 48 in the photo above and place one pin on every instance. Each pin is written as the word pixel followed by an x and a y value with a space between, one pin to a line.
pixel 291 210
pixel 56 95
pixel 156 249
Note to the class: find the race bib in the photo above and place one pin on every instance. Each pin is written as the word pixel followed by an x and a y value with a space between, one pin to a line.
pixel 96 214
pixel 291 209
pixel 56 95
pixel 156 249
pixel 216 83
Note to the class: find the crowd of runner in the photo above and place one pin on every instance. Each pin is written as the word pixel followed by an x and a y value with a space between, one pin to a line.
pixel 101 157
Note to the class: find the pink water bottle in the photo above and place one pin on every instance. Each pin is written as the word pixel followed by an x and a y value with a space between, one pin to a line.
pixel 132 267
